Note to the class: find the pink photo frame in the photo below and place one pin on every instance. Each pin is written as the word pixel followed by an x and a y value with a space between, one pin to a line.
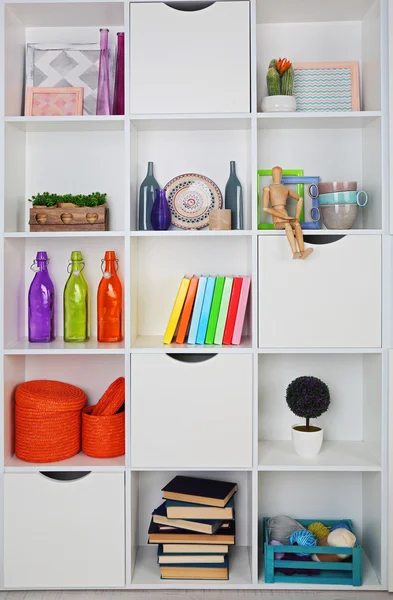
pixel 54 102
pixel 317 103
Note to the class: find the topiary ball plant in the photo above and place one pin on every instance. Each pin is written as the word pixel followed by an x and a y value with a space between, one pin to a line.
pixel 308 397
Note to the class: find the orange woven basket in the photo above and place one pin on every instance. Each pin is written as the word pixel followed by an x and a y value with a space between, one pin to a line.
pixel 47 420
pixel 103 436
pixel 112 400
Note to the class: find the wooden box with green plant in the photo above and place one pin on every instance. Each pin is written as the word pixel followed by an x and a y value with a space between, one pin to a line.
pixel 52 212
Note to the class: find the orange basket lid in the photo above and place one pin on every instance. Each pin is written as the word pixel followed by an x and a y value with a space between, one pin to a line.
pixel 48 396
pixel 112 400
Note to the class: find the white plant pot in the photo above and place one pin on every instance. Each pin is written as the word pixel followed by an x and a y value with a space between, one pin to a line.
pixel 279 104
pixel 307 444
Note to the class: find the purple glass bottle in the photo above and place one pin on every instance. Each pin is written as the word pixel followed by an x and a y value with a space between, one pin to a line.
pixel 160 213
pixel 118 97
pixel 41 302
pixel 103 93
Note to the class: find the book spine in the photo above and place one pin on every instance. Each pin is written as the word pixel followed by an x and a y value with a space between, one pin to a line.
pixel 186 315
pixel 207 302
pixel 216 303
pixel 197 310
pixel 232 311
pixel 176 311
pixel 222 316
pixel 241 311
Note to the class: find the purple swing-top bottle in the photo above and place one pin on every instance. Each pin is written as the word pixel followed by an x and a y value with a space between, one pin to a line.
pixel 41 303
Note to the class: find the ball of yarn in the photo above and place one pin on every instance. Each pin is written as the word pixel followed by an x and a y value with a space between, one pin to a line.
pixel 340 526
pixel 277 555
pixel 303 538
pixel 319 530
pixel 342 537
pixel 281 527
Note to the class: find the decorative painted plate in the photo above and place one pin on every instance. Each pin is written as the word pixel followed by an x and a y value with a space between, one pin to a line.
pixel 190 198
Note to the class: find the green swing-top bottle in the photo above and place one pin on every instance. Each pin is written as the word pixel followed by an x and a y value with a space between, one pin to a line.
pixel 76 302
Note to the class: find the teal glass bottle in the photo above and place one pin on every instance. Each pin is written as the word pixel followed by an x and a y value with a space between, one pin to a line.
pixel 146 199
pixel 76 323
pixel 234 198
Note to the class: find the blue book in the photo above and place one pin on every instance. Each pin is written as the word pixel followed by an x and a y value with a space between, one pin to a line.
pixel 196 313
pixel 202 570
pixel 205 312
pixel 209 526
pixel 195 558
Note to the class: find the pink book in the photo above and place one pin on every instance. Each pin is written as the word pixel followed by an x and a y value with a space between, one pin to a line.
pixel 241 311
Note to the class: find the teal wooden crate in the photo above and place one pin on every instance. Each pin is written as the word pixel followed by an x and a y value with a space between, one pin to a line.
pixel 347 572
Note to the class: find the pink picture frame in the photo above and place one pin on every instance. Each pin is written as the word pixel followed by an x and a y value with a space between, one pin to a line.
pixel 54 102
pixel 352 66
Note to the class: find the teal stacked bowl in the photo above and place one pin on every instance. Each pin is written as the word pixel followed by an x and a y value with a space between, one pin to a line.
pixel 347 197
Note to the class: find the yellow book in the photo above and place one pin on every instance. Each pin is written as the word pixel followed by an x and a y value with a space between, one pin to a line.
pixel 176 310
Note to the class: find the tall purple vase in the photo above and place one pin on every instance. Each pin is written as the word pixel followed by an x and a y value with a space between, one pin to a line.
pixel 41 303
pixel 160 213
pixel 118 97
pixel 103 94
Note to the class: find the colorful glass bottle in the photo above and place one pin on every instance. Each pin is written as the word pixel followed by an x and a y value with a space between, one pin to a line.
pixel 234 198
pixel 146 199
pixel 161 217
pixel 76 328
pixel 118 96
pixel 103 89
pixel 109 301
pixel 41 302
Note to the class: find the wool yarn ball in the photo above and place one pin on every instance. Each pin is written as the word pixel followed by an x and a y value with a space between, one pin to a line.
pixel 342 537
pixel 281 527
pixel 277 555
pixel 303 537
pixel 319 530
pixel 340 526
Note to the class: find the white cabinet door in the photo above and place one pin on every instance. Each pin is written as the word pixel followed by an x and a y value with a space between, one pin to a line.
pixel 190 61
pixel 191 414
pixel 64 534
pixel 331 299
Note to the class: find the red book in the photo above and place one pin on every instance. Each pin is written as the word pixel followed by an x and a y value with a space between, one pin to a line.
pixel 187 310
pixel 232 310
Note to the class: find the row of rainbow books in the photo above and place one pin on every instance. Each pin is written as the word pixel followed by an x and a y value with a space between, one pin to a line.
pixel 209 310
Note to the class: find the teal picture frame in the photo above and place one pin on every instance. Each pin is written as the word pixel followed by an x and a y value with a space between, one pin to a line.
pixel 268 173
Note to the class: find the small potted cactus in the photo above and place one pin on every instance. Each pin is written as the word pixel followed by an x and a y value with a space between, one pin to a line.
pixel 279 80
pixel 309 398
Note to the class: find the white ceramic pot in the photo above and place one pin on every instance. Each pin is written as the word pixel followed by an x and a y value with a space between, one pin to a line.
pixel 307 444
pixel 279 104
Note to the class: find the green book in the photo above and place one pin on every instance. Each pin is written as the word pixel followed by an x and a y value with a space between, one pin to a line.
pixel 222 315
pixel 215 309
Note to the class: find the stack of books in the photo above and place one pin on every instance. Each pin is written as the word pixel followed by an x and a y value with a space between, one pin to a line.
pixel 194 528
pixel 209 310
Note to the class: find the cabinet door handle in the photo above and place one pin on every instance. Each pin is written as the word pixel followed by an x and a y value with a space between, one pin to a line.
pixel 191 358
pixel 189 6
pixel 322 239
pixel 65 475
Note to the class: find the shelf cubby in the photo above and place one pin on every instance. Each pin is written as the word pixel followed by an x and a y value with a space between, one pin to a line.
pixel 179 146
pixel 158 265
pixel 93 375
pixel 20 254
pixel 352 424
pixel 146 496
pixel 322 496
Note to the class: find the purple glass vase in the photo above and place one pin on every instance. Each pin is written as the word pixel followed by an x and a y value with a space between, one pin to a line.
pixel 103 100
pixel 118 97
pixel 41 302
pixel 160 213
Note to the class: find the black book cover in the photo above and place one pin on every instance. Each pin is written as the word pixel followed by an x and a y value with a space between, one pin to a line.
pixel 195 486
pixel 227 528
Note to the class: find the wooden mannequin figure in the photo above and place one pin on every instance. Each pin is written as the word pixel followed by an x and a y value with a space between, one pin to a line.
pixel 277 195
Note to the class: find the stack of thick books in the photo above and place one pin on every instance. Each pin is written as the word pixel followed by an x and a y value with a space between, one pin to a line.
pixel 194 528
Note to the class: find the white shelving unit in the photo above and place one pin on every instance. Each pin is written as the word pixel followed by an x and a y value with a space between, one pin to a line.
pixel 349 478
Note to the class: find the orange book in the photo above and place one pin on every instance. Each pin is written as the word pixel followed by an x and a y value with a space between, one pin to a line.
pixel 187 310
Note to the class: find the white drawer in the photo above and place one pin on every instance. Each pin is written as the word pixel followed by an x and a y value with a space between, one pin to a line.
pixel 186 61
pixel 191 414
pixel 332 299
pixel 64 534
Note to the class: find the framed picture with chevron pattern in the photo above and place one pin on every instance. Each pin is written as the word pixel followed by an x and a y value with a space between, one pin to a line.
pixel 327 86
pixel 67 65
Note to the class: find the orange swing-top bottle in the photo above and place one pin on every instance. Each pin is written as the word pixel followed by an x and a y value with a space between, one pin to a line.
pixel 109 301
